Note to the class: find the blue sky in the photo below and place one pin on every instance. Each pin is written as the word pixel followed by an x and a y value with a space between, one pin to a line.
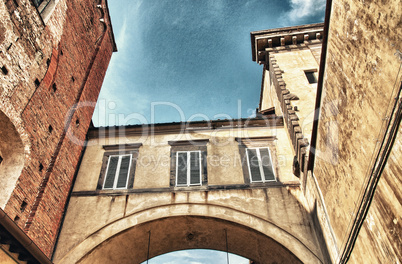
pixel 182 60
pixel 200 256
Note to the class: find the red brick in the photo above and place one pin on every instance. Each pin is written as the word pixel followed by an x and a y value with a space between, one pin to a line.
pixel 39 107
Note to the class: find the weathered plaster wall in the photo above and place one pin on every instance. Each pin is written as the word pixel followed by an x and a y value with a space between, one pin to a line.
pixel 46 70
pixel 94 216
pixel 224 164
pixel 287 88
pixel 383 224
pixel 269 96
pixel 361 73
pixel 293 64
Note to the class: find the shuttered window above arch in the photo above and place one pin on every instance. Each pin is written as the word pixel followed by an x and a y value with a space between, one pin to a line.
pixel 118 167
pixel 259 163
pixel 117 172
pixel 188 168
pixel 259 160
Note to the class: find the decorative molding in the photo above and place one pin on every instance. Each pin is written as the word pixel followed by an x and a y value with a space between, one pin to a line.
pixel 283 38
pixel 183 127
pixel 122 147
pixel 255 141
pixel 194 142
pixel 267 185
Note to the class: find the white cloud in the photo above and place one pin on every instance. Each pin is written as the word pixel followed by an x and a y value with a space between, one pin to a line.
pixel 302 9
pixel 182 254
pixel 235 259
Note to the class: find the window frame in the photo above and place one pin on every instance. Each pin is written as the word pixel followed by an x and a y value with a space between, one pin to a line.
pixel 309 74
pixel 188 173
pixel 260 165
pixel 269 142
pixel 117 173
pixel 45 8
pixel 118 150
pixel 188 146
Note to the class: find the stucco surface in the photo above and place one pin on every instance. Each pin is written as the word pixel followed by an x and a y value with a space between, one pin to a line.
pixel 97 221
pixel 293 64
pixel 361 77
pixel 286 228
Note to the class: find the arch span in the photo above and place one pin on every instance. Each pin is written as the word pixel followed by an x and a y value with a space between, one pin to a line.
pixel 12 158
pixel 190 226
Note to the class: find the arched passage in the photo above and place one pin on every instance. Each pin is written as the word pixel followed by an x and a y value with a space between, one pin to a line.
pixel 12 158
pixel 248 235
pixel 188 232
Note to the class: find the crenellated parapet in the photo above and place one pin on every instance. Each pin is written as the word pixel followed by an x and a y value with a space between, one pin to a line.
pixel 287 55
pixel 265 41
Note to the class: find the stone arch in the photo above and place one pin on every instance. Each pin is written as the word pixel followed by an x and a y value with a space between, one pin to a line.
pixel 102 27
pixel 12 158
pixel 199 221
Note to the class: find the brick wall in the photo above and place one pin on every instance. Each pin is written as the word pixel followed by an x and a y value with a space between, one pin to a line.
pixel 52 68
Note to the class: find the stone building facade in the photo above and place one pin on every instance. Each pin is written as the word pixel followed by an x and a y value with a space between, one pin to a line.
pixel 314 178
pixel 357 134
pixel 352 176
pixel 245 197
pixel 53 58
pixel 224 185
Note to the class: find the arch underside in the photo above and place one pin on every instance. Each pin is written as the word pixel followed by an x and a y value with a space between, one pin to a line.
pixel 12 158
pixel 188 232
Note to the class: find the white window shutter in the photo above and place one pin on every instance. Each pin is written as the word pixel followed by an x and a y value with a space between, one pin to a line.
pixel 123 172
pixel 195 168
pixel 181 169
pixel 267 164
pixel 254 166
pixel 111 172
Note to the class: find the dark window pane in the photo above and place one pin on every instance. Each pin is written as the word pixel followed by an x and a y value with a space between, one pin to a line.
pixel 41 4
pixel 254 165
pixel 37 2
pixel 195 168
pixel 181 168
pixel 267 164
pixel 123 172
pixel 111 172
pixel 311 77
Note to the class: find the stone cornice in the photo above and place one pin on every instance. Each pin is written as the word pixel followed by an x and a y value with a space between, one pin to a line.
pixel 185 127
pixel 281 37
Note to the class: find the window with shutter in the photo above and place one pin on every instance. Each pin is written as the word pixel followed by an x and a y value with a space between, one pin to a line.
pixel 188 168
pixel 117 172
pixel 37 3
pixel 118 167
pixel 260 165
